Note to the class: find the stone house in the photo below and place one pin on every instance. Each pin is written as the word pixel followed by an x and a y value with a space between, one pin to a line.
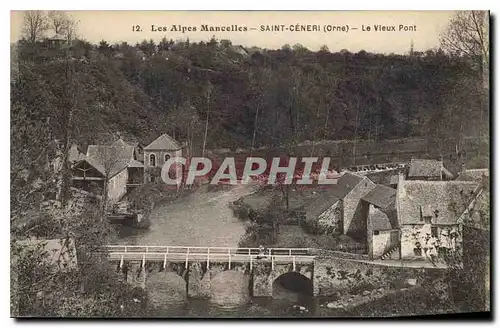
pixel 379 208
pixel 429 170
pixel 339 209
pixel 157 153
pixel 115 163
pixel 429 215
pixel 326 213
pixel 350 188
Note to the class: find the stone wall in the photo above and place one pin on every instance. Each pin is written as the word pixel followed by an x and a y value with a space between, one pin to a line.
pixel 330 277
pixel 353 216
pixel 330 221
pixel 333 277
pixel 420 234
pixel 383 242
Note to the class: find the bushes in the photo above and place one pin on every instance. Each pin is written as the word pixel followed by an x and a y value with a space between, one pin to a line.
pixel 41 288
pixel 263 226
pixel 242 210
pixel 257 234
pixel 311 226
pixel 145 197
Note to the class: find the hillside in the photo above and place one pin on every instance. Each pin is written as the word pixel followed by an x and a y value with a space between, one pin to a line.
pixel 264 97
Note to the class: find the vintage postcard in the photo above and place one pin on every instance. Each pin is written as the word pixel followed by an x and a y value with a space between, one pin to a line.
pixel 249 164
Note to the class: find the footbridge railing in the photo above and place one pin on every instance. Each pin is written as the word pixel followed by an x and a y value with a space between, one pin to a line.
pixel 207 254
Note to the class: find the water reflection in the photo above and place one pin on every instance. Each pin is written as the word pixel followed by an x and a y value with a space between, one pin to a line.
pixel 199 219
pixel 230 289
pixel 166 290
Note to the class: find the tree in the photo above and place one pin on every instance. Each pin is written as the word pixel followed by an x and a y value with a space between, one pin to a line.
pixel 324 48
pixel 208 94
pixel 111 158
pixel 467 35
pixel 34 25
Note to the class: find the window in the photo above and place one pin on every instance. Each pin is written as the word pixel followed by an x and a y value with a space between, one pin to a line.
pixel 434 231
pixel 166 157
pixel 151 178
pixel 376 232
pixel 417 251
pixel 152 160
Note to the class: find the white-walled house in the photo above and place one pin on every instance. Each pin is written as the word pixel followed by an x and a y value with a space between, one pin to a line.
pixel 157 153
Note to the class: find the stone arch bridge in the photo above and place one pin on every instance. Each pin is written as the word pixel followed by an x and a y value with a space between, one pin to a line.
pixel 198 266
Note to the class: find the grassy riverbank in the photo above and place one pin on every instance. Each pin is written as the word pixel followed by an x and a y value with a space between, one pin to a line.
pixel 269 223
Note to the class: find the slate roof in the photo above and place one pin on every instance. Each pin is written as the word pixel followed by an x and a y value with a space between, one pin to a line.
pixel 135 163
pixel 345 184
pixel 425 168
pixel 444 201
pixel 92 163
pixel 321 204
pixel 381 196
pixel 164 142
pixel 119 156
pixel 380 220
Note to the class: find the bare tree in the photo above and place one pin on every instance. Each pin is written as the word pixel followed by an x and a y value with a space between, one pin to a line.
pixel 34 25
pixel 62 23
pixel 467 34
pixel 208 95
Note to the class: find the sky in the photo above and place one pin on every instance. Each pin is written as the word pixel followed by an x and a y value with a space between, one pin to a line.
pixel 423 27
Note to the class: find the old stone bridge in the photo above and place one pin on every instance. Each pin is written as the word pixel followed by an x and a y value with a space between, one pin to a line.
pixel 202 269
pixel 199 266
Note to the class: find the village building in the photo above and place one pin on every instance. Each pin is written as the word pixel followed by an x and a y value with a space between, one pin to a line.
pixel 57 40
pixel 429 215
pixel 379 206
pixel 157 153
pixel 339 209
pixel 429 170
pixel 326 212
pixel 419 221
pixel 115 164
pixel 350 188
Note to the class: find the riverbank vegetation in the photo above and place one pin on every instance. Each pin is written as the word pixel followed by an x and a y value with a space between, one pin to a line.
pixel 270 223
pixel 80 282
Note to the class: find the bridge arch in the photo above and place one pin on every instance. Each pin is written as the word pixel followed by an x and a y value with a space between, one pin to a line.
pixel 166 288
pixel 292 283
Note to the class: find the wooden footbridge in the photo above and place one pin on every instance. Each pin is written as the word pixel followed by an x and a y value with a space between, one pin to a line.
pixel 207 254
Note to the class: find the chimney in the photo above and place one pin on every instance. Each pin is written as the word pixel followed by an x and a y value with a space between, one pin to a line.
pixel 401 178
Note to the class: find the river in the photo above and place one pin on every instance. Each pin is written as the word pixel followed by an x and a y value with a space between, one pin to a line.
pixel 203 218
